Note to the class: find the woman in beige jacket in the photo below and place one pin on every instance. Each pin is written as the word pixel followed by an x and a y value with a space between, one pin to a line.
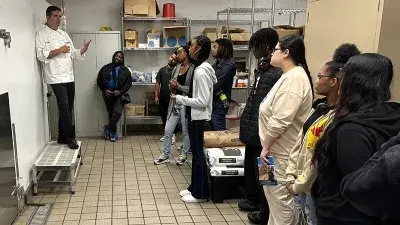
pixel 300 174
pixel 282 115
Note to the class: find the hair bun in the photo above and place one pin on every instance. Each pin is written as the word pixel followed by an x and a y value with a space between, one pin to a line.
pixel 344 52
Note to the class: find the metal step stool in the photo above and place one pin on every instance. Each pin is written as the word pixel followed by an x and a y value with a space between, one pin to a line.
pixel 56 157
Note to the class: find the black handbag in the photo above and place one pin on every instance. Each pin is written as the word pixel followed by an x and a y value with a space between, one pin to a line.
pixel 125 98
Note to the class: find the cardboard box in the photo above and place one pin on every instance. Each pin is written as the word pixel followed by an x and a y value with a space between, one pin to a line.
pixel 131 43
pixel 134 110
pixel 238 37
pixel 211 33
pixel 286 30
pixel 131 35
pixel 219 139
pixel 153 40
pixel 140 8
pixel 174 36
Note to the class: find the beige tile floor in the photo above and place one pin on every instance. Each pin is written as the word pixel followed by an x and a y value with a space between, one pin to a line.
pixel 119 185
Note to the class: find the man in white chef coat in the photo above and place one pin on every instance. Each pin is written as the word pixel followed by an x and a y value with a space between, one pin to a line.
pixel 56 51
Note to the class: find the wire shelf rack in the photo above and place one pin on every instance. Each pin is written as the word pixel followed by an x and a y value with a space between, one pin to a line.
pixel 127 18
pixel 247 11
pixel 222 22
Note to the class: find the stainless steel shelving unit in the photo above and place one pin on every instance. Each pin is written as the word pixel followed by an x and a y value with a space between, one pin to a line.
pixel 160 20
pixel 252 11
pixel 127 19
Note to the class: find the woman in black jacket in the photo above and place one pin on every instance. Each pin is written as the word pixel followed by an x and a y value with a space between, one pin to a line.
pixel 363 121
pixel 114 81
pixel 261 44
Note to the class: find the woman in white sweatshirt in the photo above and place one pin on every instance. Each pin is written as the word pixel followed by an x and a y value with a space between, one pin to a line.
pixel 199 107
pixel 282 115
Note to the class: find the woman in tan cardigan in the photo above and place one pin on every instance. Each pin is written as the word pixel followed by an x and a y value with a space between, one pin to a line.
pixel 282 115
pixel 300 174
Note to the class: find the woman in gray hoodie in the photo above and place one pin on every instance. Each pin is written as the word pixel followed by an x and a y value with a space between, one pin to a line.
pixel 199 107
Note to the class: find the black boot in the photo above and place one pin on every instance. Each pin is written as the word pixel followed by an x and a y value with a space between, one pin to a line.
pixel 249 206
pixel 256 218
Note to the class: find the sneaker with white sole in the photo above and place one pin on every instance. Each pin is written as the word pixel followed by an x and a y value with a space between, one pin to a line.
pixel 190 199
pixel 161 160
pixel 184 192
pixel 173 139
pixel 182 160
pixel 162 139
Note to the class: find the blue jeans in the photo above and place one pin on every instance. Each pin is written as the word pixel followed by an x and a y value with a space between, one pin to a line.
pixel 170 126
pixel 308 207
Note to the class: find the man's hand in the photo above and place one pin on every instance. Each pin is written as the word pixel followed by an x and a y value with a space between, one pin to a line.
pixel 117 93
pixel 157 100
pixel 173 84
pixel 85 46
pixel 108 93
pixel 64 49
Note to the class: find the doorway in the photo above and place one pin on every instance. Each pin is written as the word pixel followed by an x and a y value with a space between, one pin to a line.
pixel 8 184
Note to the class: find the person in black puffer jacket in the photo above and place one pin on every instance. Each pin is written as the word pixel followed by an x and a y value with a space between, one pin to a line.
pixel 261 44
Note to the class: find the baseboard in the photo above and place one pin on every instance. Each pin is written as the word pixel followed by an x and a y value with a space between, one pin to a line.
pixel 28 193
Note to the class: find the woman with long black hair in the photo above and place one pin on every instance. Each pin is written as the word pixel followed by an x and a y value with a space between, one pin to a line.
pixel 363 121
pixel 300 174
pixel 282 115
pixel 199 108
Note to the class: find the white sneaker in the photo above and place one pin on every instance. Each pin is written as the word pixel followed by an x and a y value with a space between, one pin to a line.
pixel 173 139
pixel 162 139
pixel 184 192
pixel 190 199
pixel 161 160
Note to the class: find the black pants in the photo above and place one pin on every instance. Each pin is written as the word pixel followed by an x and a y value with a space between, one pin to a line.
pixel 254 191
pixel 163 112
pixel 199 185
pixel 65 94
pixel 114 108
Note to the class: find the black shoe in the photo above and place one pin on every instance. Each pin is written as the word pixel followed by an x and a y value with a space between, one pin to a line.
pixel 73 144
pixel 249 206
pixel 256 218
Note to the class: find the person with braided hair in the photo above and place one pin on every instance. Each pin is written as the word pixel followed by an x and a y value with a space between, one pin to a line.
pixel 261 44
pixel 198 104
pixel 225 70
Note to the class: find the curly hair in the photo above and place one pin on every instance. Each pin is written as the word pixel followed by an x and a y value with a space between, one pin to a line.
pixel 205 43
pixel 225 49
pixel 265 38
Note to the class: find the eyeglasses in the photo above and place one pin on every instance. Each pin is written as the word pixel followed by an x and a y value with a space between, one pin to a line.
pixel 276 49
pixel 319 76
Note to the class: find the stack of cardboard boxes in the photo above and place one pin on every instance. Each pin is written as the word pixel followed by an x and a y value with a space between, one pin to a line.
pixel 134 110
pixel 138 8
pixel 131 39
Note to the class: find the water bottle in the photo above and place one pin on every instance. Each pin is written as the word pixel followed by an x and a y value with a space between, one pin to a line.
pixel 223 98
